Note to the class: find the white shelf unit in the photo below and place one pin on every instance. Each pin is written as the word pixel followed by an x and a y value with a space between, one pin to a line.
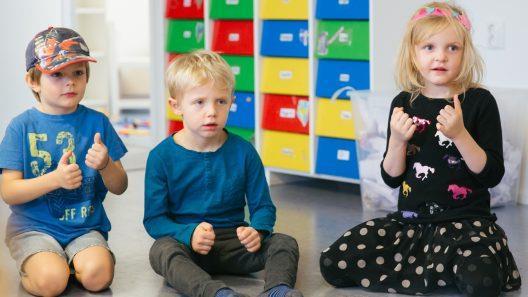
pixel 386 22
pixel 88 18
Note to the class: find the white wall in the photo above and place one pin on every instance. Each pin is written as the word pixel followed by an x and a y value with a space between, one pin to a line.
pixel 21 22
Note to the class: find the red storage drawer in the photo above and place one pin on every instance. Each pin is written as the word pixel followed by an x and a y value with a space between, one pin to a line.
pixel 174 126
pixel 184 9
pixel 171 57
pixel 233 37
pixel 285 113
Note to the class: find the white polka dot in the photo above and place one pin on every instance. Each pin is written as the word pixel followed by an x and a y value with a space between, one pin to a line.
pixel 419 270
pixel 455 269
pixel 398 267
pixel 442 231
pixel 441 283
pixel 437 249
pixel 482 234
pixel 425 283
pixel 361 246
pixel 397 241
pixel 458 226
pixel 361 263
pixel 440 267
pixel 363 231
pixel 446 249
pixel 347 234
pixel 430 266
pixel 380 260
pixel 383 277
pixel 398 257
pixel 391 290
pixel 509 287
pixel 490 231
pixel 379 247
pixel 326 250
pixel 406 283
pixel 411 259
pixel 492 250
pixel 467 253
pixel 505 242
pixel 475 239
pixel 343 247
pixel 370 223
pixel 515 274
pixel 365 283
pixel 398 234
pixel 410 233
pixel 498 246
pixel 426 248
pixel 477 224
pixel 382 232
pixel 342 264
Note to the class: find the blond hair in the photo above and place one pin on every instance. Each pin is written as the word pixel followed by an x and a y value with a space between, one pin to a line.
pixel 198 68
pixel 408 78
pixel 35 75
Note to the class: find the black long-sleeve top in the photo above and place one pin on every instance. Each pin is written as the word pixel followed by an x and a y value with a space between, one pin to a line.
pixel 436 173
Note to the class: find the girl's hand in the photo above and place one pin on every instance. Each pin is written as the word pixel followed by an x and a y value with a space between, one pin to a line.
pixel 97 156
pixel 450 120
pixel 401 125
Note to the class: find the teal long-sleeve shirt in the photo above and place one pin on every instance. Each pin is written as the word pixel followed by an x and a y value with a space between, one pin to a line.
pixel 184 188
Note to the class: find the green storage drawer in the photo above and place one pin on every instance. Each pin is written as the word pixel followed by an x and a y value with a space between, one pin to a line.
pixel 247 134
pixel 243 68
pixel 231 9
pixel 184 36
pixel 343 40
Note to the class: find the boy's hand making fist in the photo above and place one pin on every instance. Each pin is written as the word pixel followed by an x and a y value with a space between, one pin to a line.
pixel 203 238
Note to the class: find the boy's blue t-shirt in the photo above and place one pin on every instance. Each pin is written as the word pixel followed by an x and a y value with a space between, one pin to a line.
pixel 184 188
pixel 34 142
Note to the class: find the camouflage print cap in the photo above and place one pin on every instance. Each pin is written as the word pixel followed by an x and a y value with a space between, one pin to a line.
pixel 55 48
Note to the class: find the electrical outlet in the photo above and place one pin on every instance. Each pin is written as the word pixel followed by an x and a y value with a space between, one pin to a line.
pixel 494 34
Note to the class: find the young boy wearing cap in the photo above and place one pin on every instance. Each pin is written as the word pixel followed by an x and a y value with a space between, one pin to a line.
pixel 197 183
pixel 59 159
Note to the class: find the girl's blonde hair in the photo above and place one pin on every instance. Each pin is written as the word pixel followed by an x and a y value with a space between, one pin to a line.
pixel 408 77
pixel 198 68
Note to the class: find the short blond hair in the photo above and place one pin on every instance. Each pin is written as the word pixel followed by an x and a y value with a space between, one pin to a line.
pixel 408 77
pixel 198 68
pixel 35 75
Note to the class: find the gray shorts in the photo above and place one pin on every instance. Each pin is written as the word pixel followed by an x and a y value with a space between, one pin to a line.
pixel 24 245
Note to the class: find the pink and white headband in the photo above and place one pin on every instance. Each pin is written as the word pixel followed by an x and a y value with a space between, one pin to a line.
pixel 435 11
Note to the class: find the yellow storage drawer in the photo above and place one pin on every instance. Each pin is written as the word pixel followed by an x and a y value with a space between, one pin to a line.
pixel 287 76
pixel 286 150
pixel 335 119
pixel 171 115
pixel 284 9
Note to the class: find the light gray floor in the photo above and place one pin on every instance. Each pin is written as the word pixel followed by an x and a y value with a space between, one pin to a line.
pixel 314 212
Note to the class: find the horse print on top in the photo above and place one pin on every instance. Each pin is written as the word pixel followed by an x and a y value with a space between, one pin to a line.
pixel 421 124
pixel 422 171
pixel 459 192
pixel 443 140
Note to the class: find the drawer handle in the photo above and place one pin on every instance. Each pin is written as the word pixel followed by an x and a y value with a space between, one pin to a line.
pixel 287 113
pixel 234 37
pixel 344 77
pixel 231 2
pixel 343 155
pixel 286 37
pixel 285 74
pixel 235 69
pixel 287 151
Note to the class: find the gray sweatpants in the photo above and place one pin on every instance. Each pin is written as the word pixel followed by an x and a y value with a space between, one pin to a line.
pixel 189 272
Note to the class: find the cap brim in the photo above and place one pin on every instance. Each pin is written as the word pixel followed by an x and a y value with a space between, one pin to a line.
pixel 61 66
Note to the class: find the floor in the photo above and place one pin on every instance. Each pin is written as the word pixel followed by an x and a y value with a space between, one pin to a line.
pixel 315 212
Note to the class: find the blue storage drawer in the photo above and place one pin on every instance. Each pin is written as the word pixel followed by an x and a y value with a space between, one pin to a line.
pixel 337 157
pixel 342 9
pixel 242 113
pixel 335 74
pixel 285 39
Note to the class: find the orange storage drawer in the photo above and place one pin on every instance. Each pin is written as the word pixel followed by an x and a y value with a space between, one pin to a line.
pixel 233 37
pixel 285 113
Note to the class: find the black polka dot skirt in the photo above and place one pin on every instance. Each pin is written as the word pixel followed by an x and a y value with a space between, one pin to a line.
pixel 386 255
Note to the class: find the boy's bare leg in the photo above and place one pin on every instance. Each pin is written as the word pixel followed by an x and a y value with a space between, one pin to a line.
pixel 45 274
pixel 94 268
